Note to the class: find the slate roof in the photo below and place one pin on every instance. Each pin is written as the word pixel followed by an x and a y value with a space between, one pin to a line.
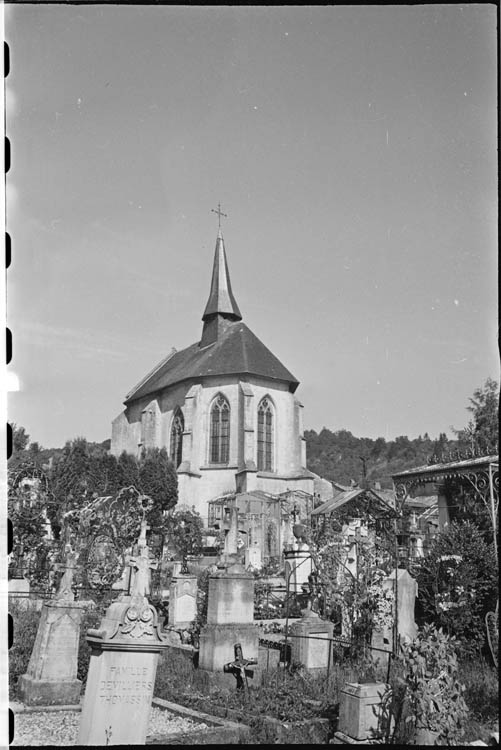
pixel 237 351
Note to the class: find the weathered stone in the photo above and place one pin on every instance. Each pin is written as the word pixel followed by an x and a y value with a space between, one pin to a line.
pixel 182 601
pixel 406 593
pixel 123 665
pixel 360 711
pixel 298 566
pixel 231 598
pixel 217 645
pixel 51 677
pixel 310 644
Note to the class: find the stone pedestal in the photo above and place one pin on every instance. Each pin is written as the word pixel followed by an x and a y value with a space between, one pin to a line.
pixel 360 710
pixel 230 619
pixel 309 644
pixel 121 676
pixel 182 601
pixel 298 566
pixel 51 678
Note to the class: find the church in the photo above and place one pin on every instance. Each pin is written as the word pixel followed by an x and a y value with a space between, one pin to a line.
pixel 224 408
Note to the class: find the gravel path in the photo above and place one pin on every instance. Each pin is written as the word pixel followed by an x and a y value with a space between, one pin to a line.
pixel 61 727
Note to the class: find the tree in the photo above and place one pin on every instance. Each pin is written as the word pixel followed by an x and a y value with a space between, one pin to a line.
pixel 458 583
pixel 481 432
pixel 20 438
pixel 158 478
pixel 184 531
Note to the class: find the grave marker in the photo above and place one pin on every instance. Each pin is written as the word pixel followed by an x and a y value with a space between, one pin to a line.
pixel 123 664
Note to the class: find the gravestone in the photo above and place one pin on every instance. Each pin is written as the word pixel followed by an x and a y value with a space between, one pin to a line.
pixel 406 593
pixel 182 600
pixel 310 645
pixel 298 561
pixel 51 678
pixel 253 557
pixel 230 609
pixel 123 664
pixel 361 711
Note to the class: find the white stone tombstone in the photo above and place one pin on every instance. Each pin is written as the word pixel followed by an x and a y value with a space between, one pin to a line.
pixel 182 601
pixel 310 641
pixel 405 591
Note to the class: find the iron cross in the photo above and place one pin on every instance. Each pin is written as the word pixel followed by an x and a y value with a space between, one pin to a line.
pixel 219 214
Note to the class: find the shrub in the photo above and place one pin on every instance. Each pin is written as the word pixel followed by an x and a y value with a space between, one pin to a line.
pixel 433 690
pixel 458 584
pixel 25 626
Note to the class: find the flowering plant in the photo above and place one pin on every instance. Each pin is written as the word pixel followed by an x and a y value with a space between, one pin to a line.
pixel 434 694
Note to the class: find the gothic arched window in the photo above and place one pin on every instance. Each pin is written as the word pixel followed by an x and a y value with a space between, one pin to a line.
pixel 220 431
pixel 265 436
pixel 176 438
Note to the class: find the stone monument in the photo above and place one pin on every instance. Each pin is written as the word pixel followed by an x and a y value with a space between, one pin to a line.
pixel 405 595
pixel 51 678
pixel 298 562
pixel 361 714
pixel 182 600
pixel 310 639
pixel 123 663
pixel 230 611
pixel 253 556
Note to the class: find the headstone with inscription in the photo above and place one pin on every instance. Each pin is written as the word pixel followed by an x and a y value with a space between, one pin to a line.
pixel 123 664
pixel 51 678
pixel 310 641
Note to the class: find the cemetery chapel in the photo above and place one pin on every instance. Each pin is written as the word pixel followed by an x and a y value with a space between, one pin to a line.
pixel 224 408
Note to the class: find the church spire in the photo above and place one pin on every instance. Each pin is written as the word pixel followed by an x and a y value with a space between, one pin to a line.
pixel 221 300
pixel 221 307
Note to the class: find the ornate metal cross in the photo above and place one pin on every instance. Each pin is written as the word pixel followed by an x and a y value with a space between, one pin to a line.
pixel 240 668
pixel 219 214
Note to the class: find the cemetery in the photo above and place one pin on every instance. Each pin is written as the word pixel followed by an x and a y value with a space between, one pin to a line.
pixel 120 638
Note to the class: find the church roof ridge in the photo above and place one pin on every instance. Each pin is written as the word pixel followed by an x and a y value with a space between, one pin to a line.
pixel 238 351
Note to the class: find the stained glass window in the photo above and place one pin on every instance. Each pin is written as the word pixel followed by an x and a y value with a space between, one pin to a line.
pixel 176 438
pixel 220 431
pixel 265 436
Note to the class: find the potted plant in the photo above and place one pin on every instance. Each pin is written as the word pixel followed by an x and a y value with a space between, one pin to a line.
pixel 434 695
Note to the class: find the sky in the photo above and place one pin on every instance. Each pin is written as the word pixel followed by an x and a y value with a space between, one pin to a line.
pixel 354 151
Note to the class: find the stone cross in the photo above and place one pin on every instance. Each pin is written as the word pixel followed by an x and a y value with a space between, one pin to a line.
pixel 231 538
pixel 240 668
pixel 65 592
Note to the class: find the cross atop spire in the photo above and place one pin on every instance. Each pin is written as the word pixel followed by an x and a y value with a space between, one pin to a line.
pixel 219 214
